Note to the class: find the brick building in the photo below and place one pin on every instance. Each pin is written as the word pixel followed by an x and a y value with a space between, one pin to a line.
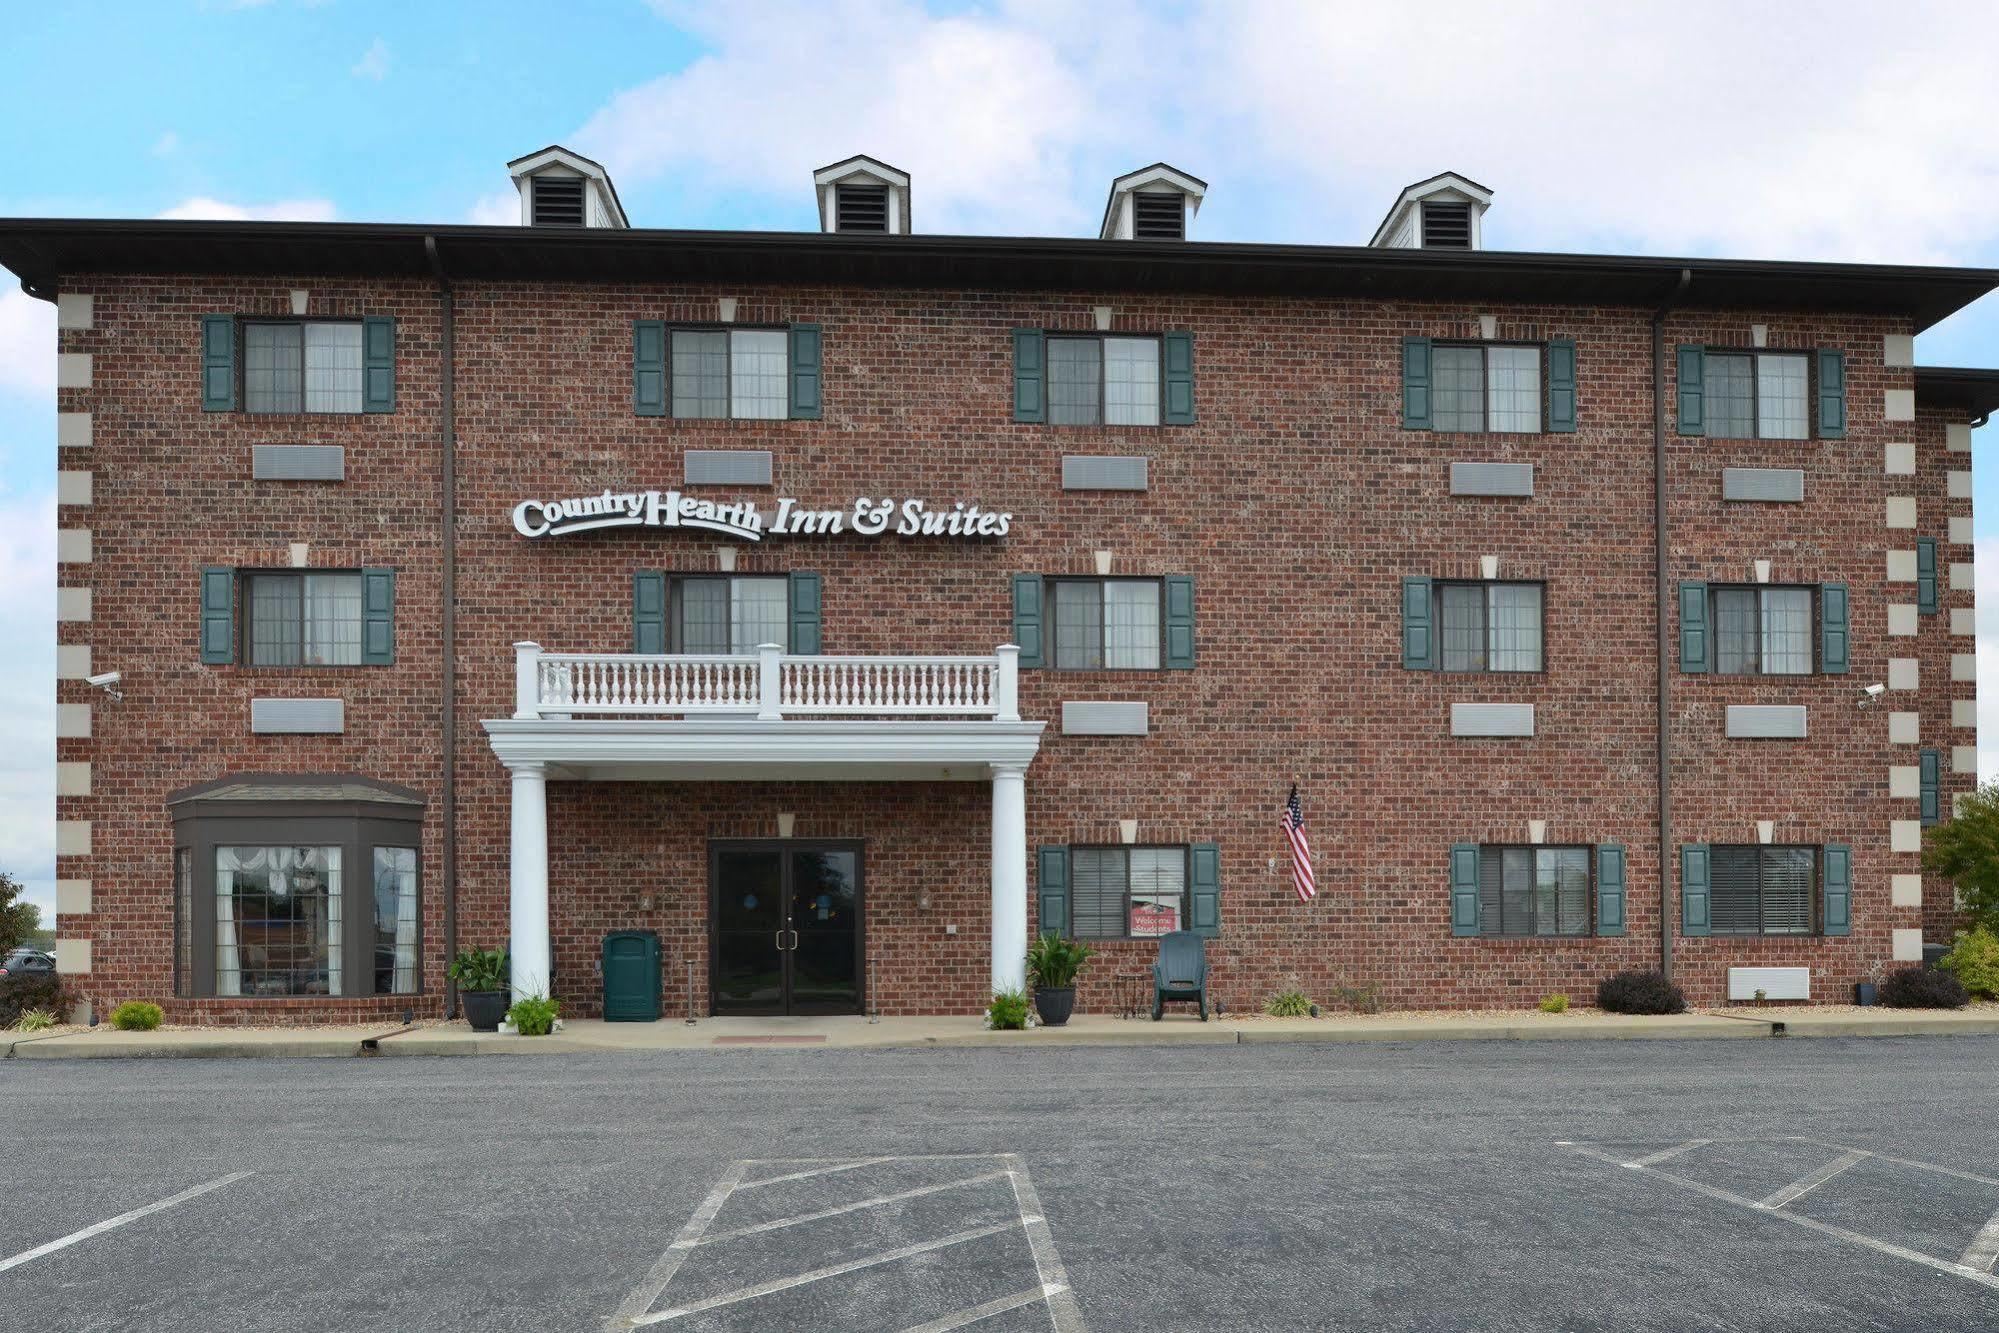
pixel 841 606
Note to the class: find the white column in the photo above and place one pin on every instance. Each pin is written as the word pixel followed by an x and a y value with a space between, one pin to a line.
pixel 528 896
pixel 770 682
pixel 1006 689
pixel 527 683
pixel 1009 877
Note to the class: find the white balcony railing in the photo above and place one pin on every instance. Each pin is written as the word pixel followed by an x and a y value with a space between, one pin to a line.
pixel 769 685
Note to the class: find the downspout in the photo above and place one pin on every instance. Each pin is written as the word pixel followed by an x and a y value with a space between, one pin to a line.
pixel 1662 591
pixel 447 433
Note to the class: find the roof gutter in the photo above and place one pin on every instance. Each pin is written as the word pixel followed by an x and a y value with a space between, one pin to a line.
pixel 1659 547
pixel 447 439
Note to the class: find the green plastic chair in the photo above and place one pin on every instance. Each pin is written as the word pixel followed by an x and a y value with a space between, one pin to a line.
pixel 1181 973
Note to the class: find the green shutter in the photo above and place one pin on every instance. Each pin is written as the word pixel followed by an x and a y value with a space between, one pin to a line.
pixel 1835 639
pixel 1693 627
pixel 1030 376
pixel 1464 888
pixel 649 612
pixel 1053 863
pixel 1562 385
pixel 1179 359
pixel 1610 889
pixel 1694 901
pixel 1419 639
pixel 1832 394
pixel 218 363
pixel 1027 619
pixel 805 614
pixel 378 363
pixel 218 615
pixel 378 617
pixel 1179 622
pixel 1930 808
pixel 1415 384
pixel 649 367
pixel 1690 378
pixel 1926 575
pixel 1836 886
pixel 805 372
pixel 1204 874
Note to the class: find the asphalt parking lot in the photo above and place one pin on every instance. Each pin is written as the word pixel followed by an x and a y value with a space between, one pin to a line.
pixel 1848 1184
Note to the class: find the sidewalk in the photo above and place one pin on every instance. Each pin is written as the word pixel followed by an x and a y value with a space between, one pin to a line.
pixel 764 1034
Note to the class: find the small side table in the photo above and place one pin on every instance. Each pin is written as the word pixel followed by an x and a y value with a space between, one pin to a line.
pixel 1131 991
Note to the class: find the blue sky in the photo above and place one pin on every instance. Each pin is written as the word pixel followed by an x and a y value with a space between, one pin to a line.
pixel 1684 128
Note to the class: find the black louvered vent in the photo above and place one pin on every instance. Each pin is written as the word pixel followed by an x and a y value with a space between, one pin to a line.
pixel 558 201
pixel 1159 217
pixel 1447 226
pixel 861 207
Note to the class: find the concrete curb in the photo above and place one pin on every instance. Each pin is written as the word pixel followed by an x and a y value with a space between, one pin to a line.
pixel 1675 1030
pixel 1911 1025
pixel 303 1044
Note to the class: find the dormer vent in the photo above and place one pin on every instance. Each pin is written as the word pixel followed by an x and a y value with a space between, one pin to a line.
pixel 1155 203
pixel 558 201
pixel 862 194
pixel 559 188
pixel 1441 213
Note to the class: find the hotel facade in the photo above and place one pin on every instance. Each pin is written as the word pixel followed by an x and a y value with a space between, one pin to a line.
pixel 845 607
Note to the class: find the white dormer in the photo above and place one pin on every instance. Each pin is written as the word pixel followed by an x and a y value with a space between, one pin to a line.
pixel 1155 203
pixel 861 194
pixel 1441 213
pixel 564 189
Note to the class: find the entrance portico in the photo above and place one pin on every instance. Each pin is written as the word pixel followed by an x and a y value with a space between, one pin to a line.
pixel 772 716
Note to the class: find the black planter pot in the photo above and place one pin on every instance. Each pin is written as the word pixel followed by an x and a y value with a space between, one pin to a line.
pixel 1863 992
pixel 1054 1004
pixel 484 1009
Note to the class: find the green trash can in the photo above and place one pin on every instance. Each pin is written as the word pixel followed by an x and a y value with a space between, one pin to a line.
pixel 631 976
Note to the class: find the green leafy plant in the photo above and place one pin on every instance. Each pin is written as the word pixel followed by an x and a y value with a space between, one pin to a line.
pixel 30 990
pixel 1554 1004
pixel 1965 850
pixel 534 1015
pixel 36 1020
pixel 1053 962
pixel 1008 1011
pixel 1362 999
pixel 1974 960
pixel 136 1016
pixel 1292 1003
pixel 480 969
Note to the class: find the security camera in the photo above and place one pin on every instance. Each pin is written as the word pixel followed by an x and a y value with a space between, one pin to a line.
pixel 1871 693
pixel 107 682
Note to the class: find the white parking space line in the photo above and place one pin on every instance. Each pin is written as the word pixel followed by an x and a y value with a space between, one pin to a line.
pixel 1668 1153
pixel 962 1318
pixel 836 1211
pixel 816 1171
pixel 820 1274
pixel 1062 1311
pixel 111 1223
pixel 1798 1189
pixel 1983 1251
pixel 645 1293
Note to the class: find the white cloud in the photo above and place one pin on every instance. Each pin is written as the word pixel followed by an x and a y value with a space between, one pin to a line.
pixel 166 145
pixel 27 346
pixel 496 210
pixel 374 63
pixel 284 210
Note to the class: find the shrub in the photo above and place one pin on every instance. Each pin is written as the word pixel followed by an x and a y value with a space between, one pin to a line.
pixel 480 969
pixel 1554 1004
pixel 1922 988
pixel 36 990
pixel 1640 993
pixel 1965 850
pixel 36 1020
pixel 1288 1004
pixel 136 1016
pixel 1053 962
pixel 533 1015
pixel 1362 999
pixel 1008 1011
pixel 1975 961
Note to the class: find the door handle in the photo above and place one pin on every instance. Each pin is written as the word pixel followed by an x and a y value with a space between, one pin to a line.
pixel 778 940
pixel 794 940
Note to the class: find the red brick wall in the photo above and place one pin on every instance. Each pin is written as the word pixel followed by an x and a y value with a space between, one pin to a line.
pixel 1297 503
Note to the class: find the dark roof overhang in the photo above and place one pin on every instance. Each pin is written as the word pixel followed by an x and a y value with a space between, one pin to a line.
pixel 1973 392
pixel 45 251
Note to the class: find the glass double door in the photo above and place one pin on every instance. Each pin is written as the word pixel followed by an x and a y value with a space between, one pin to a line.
pixel 786 924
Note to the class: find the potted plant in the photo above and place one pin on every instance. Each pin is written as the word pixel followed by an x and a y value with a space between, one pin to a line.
pixel 1864 992
pixel 1052 965
pixel 481 975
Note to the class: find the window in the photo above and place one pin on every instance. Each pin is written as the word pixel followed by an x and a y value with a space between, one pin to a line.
pixel 395 921
pixel 725 373
pixel 1534 891
pixel 1120 892
pixel 278 921
pixel 1103 381
pixel 729 615
pixel 1760 395
pixel 1491 626
pixel 1764 890
pixel 302 367
pixel 303 619
pixel 1487 388
pixel 1106 624
pixel 183 921
pixel 1762 631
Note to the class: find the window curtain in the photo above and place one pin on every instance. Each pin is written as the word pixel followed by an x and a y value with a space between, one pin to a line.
pixel 395 918
pixel 759 612
pixel 1781 411
pixel 332 620
pixel 1131 624
pixel 759 381
pixel 328 860
pixel 1131 381
pixel 333 368
pixel 1514 398
pixel 228 955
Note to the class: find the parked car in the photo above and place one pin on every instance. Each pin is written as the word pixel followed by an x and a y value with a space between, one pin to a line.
pixel 26 962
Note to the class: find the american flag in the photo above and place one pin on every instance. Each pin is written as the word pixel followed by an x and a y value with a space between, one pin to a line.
pixel 1302 878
